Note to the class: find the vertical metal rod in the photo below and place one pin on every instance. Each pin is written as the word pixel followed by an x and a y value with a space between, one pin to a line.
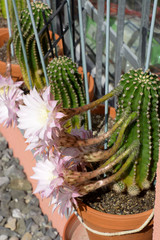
pixel 151 34
pixel 9 25
pixel 61 32
pixel 143 35
pixel 49 40
pixel 22 42
pixel 38 42
pixel 99 47
pixel 70 29
pixel 84 61
pixel 73 27
pixel 48 2
pixel 107 63
pixel 119 42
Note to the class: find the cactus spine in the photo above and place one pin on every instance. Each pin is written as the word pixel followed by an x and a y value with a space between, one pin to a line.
pixel 141 91
pixel 67 85
pixel 33 58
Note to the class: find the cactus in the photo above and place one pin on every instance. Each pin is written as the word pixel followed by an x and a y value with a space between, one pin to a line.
pixel 141 91
pixel 67 86
pixel 20 4
pixel 132 153
pixel 37 76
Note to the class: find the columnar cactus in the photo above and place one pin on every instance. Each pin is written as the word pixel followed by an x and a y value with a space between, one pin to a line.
pixel 33 58
pixel 141 91
pixel 67 85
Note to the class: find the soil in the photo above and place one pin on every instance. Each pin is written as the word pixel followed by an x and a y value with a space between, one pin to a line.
pixel 109 201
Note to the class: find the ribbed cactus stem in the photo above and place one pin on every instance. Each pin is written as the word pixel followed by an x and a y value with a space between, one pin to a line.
pixel 67 85
pixel 141 91
pixel 35 67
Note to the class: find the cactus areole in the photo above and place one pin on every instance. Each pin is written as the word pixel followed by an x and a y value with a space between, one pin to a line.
pixel 141 91
pixel 35 67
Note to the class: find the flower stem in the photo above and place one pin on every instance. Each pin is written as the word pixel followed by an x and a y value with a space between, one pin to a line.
pixel 100 183
pixel 101 154
pixel 75 111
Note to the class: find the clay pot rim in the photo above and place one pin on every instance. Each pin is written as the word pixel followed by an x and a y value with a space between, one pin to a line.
pixel 116 216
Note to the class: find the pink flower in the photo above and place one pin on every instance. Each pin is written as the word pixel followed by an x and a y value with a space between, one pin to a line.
pixel 9 102
pixel 39 116
pixel 65 199
pixel 46 172
pixel 6 83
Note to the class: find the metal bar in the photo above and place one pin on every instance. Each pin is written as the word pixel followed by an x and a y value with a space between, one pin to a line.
pixel 84 61
pixel 38 42
pixel 107 64
pixel 53 16
pixel 119 43
pixel 73 27
pixel 22 42
pixel 151 34
pixel 99 48
pixel 128 54
pixel 49 40
pixel 70 29
pixel 9 25
pixel 61 32
pixel 56 41
pixel 143 33
pixel 48 2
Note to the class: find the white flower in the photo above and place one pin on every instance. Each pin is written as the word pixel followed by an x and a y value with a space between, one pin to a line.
pixel 39 116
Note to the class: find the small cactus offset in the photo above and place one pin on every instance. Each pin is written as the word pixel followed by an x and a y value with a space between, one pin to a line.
pixel 67 85
pixel 141 91
pixel 36 72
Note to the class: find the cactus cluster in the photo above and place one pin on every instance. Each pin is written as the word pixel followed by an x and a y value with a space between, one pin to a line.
pixel 67 86
pixel 141 91
pixel 33 57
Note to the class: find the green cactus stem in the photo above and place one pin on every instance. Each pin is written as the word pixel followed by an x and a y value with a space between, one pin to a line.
pixel 20 4
pixel 35 67
pixel 141 91
pixel 67 86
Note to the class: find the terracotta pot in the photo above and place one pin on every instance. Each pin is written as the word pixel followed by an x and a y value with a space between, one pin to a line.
pixel 90 83
pixel 74 230
pixel 16 73
pixel 4 35
pixel 104 222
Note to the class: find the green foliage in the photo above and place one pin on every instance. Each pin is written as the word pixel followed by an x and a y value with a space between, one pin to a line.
pixel 141 91
pixel 20 4
pixel 36 72
pixel 67 85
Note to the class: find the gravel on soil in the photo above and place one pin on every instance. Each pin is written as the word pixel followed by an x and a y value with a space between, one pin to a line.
pixel 21 217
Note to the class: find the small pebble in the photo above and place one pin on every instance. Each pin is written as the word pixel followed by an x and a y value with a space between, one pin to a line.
pixel 3 237
pixel 20 215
